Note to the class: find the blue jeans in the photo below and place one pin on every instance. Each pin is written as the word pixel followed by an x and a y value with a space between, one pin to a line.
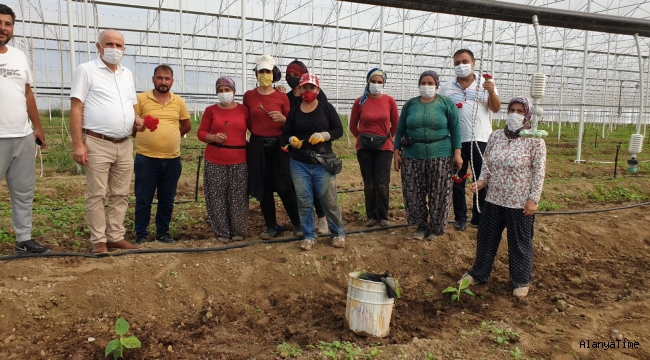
pixel 153 174
pixel 307 178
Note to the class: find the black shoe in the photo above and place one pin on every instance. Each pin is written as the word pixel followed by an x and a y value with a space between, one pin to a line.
pixel 140 239
pixel 474 222
pixel 460 225
pixel 30 247
pixel 420 233
pixel 164 238
pixel 269 233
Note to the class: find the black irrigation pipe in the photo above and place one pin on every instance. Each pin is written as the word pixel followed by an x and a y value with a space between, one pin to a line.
pixel 279 240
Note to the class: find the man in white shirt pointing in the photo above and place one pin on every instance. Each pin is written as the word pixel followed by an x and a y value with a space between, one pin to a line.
pixel 102 120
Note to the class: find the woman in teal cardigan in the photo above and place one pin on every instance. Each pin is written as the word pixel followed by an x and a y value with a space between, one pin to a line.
pixel 427 151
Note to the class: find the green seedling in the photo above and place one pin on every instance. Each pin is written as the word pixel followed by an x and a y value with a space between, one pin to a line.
pixel 117 346
pixel 286 350
pixel 345 350
pixel 516 354
pixel 429 356
pixel 463 287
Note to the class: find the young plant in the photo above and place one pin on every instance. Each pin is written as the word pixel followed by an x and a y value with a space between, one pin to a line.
pixel 117 346
pixel 463 287
pixel 286 350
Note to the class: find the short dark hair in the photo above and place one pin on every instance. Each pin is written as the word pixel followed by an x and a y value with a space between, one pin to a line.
pixel 461 51
pixel 6 10
pixel 163 67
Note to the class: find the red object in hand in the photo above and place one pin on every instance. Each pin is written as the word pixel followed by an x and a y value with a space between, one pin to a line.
pixel 458 179
pixel 151 123
pixel 262 107
pixel 487 76
pixel 459 105
pixel 284 148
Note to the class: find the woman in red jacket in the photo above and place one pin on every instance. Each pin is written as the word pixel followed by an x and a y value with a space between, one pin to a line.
pixel 373 122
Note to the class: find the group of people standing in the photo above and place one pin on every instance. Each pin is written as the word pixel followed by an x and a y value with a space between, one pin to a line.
pixel 432 142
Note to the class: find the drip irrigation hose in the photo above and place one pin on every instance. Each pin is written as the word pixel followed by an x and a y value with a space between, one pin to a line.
pixel 280 240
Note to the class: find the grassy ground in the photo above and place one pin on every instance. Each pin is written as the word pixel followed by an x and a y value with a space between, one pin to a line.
pixel 568 185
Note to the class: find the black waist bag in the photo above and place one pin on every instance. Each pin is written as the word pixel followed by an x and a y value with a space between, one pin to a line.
pixel 406 140
pixel 330 162
pixel 372 142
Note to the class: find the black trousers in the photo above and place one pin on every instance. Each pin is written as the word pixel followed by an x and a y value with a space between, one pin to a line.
pixel 494 219
pixel 287 193
pixel 459 200
pixel 375 171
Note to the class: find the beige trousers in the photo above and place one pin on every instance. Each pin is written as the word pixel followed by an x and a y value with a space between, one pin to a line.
pixel 108 174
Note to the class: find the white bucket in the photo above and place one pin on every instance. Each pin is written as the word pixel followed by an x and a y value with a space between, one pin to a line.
pixel 368 308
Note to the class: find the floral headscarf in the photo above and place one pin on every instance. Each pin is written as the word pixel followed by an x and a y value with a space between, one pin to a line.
pixel 527 114
pixel 371 73
pixel 226 81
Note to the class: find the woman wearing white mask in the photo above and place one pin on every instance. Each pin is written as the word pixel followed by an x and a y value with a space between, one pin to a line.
pixel 373 122
pixel 514 168
pixel 225 175
pixel 427 152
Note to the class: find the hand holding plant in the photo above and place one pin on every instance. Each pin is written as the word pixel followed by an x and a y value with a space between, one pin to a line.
pixel 458 179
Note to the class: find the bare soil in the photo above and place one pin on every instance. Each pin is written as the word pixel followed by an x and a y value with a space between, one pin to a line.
pixel 241 303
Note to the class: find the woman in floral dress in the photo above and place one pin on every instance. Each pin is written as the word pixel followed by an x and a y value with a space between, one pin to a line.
pixel 513 169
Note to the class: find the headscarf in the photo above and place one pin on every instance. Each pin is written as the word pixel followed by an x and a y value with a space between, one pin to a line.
pixel 296 66
pixel 366 91
pixel 226 81
pixel 431 73
pixel 527 107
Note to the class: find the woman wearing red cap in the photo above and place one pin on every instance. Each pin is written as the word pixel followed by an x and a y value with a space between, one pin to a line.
pixel 310 130
pixel 295 70
pixel 268 164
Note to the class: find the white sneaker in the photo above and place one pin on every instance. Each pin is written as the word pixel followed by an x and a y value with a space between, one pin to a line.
pixel 520 292
pixel 338 242
pixel 321 225
pixel 469 277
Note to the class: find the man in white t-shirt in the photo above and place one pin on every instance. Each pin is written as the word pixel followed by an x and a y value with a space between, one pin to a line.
pixel 466 92
pixel 17 139
pixel 102 120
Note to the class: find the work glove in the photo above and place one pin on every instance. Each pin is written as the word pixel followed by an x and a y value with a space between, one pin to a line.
pixel 392 287
pixel 319 137
pixel 295 142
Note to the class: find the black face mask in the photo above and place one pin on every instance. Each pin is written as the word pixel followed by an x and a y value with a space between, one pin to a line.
pixel 293 82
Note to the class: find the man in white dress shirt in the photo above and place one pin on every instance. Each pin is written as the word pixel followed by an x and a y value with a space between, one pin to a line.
pixel 467 92
pixel 17 139
pixel 102 120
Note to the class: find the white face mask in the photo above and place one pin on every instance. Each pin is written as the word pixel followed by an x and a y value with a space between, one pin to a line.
pixel 515 121
pixel 463 70
pixel 427 91
pixel 375 89
pixel 225 98
pixel 112 56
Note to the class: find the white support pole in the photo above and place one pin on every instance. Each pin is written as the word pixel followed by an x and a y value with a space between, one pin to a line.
pixel 584 90
pixel 492 59
pixel 264 27
pixel 88 28
pixel 562 87
pixel 243 46
pixel 609 40
pixel 338 14
pixel 180 10
pixel 73 62
pixel 641 88
pixel 381 38
pixel 403 53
